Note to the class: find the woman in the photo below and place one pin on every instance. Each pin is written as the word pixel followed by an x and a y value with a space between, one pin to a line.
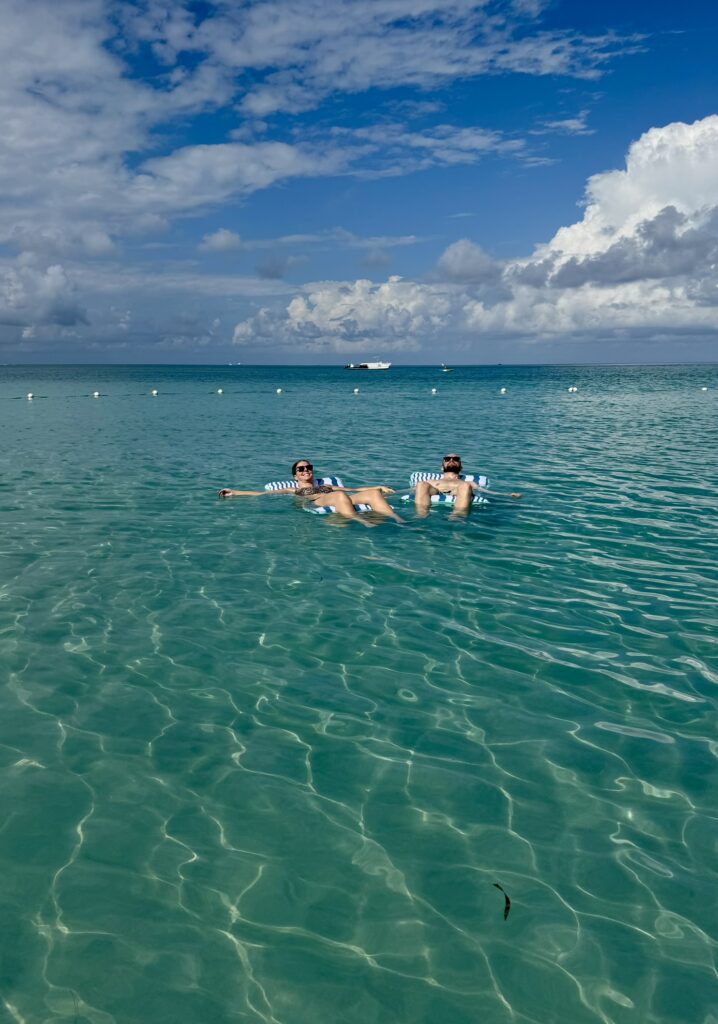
pixel 341 498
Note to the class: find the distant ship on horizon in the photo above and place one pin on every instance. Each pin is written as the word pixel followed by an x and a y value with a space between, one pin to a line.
pixel 367 366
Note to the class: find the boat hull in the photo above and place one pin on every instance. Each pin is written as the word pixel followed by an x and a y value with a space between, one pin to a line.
pixel 367 366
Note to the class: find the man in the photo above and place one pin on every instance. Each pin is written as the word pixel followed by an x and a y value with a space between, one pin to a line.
pixel 450 483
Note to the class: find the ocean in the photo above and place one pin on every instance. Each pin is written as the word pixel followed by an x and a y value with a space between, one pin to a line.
pixel 264 766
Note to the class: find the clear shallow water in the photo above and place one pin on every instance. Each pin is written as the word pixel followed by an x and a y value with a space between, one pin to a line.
pixel 259 768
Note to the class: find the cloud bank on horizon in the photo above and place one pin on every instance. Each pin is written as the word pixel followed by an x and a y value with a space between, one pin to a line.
pixel 285 181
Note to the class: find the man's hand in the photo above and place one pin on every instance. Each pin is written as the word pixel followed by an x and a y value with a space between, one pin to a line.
pixel 387 490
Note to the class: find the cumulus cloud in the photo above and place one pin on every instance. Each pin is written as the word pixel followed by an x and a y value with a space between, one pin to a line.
pixel 643 258
pixel 464 261
pixel 343 316
pixel 221 240
pixel 670 166
pixel 641 262
pixel 31 296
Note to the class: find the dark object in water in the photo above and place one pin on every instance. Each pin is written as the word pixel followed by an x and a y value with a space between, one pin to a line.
pixel 507 901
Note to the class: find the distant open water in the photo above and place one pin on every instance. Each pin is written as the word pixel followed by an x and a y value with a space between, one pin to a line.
pixel 255 768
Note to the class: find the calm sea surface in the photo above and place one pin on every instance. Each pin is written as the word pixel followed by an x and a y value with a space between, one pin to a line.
pixel 259 768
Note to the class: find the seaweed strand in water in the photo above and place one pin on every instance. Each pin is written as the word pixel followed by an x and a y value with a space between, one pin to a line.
pixel 507 901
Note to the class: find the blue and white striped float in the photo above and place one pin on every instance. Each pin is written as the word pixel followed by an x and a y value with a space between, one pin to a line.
pixel 317 510
pixel 449 499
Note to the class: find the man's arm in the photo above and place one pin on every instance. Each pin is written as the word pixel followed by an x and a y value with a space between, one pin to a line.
pixel 496 494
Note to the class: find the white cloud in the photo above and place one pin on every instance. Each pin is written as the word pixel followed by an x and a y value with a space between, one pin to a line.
pixel 199 175
pixel 671 166
pixel 90 157
pixel 392 149
pixel 464 261
pixel 641 262
pixel 343 316
pixel 31 296
pixel 221 240
pixel 577 125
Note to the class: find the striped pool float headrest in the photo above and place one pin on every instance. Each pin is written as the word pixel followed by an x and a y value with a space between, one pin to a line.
pixel 473 478
pixel 287 485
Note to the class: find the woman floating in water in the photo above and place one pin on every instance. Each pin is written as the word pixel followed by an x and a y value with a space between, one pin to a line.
pixel 342 498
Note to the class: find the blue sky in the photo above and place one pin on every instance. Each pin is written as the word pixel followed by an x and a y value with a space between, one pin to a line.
pixel 319 182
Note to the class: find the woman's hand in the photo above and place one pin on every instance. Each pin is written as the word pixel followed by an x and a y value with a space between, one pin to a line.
pixel 387 490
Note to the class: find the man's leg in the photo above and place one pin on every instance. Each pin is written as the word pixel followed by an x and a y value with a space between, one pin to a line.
pixel 422 497
pixel 373 496
pixel 464 494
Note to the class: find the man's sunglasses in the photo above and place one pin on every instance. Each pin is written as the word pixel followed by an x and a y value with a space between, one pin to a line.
pixel 305 469
pixel 452 458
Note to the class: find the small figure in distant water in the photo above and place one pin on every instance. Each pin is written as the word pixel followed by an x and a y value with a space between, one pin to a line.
pixel 342 498
pixel 450 483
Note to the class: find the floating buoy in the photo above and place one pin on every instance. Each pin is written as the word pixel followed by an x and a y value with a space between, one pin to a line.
pixel 572 389
pixel 279 391
pixel 704 389
pixel 95 394
pixel 433 391
pixel 154 392
pixel 30 395
pixel 502 391
pixel 219 391
pixel 356 391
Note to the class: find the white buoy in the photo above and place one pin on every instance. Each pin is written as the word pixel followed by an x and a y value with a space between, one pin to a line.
pixel 433 391
pixel 356 391
pixel 503 391
pixel 95 394
pixel 219 391
pixel 704 389
pixel 572 389
pixel 30 396
pixel 279 391
pixel 154 392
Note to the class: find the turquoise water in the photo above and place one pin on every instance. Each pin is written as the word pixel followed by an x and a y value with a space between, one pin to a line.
pixel 259 768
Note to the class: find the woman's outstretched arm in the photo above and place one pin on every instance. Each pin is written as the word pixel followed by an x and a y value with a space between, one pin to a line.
pixel 227 492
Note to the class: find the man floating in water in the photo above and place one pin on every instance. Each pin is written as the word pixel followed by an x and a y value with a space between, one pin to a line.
pixel 450 483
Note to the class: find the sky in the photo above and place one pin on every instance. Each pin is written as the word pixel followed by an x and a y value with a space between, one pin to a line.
pixel 327 181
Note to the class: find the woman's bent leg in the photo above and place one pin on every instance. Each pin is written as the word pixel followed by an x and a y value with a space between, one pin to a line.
pixel 373 496
pixel 342 503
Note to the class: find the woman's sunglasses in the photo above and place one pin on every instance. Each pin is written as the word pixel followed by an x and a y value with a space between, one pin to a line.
pixel 305 469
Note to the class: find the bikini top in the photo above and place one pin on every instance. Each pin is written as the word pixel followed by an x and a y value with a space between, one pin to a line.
pixel 305 492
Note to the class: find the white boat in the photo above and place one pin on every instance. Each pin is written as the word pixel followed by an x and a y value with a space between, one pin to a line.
pixel 367 366
pixel 446 369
